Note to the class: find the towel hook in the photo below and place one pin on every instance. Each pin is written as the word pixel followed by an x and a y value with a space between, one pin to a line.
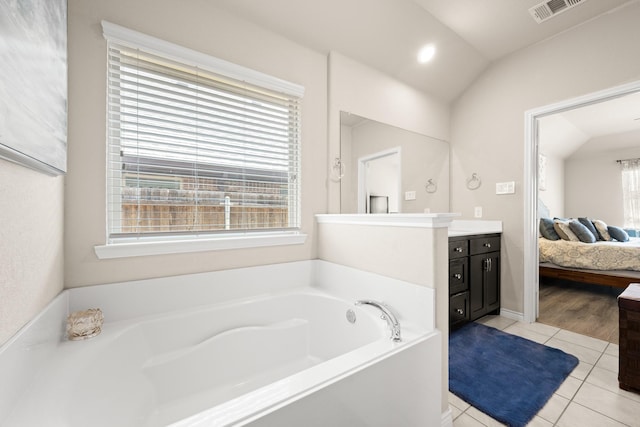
pixel 431 187
pixel 474 182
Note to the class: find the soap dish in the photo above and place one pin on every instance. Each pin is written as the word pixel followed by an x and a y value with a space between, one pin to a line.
pixel 84 324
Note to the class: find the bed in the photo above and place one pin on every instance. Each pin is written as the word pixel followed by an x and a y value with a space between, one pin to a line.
pixel 609 263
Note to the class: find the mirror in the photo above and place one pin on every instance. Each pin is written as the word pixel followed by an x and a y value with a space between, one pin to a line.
pixel 385 169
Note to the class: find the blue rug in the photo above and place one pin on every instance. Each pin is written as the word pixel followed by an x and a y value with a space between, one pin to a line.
pixel 505 376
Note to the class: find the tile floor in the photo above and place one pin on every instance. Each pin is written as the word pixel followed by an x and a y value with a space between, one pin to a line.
pixel 589 397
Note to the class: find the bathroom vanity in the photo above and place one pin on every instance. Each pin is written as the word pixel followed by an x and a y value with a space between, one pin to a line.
pixel 474 276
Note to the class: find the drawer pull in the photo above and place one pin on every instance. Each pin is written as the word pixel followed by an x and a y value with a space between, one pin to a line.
pixel 457 249
pixel 487 245
pixel 457 276
pixel 460 311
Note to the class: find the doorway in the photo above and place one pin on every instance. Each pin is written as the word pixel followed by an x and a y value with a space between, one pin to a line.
pixel 531 290
pixel 380 182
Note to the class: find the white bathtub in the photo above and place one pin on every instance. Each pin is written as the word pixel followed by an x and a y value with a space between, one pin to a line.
pixel 267 352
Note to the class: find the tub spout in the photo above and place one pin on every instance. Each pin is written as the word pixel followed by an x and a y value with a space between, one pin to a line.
pixel 387 315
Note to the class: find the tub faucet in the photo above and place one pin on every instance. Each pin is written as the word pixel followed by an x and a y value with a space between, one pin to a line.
pixel 387 315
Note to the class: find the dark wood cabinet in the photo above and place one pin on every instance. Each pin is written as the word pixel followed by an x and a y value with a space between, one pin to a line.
pixel 474 277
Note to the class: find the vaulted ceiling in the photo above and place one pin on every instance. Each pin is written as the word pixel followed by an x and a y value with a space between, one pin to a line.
pixel 387 34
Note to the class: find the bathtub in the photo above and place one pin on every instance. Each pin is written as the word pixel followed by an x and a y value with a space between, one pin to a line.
pixel 234 348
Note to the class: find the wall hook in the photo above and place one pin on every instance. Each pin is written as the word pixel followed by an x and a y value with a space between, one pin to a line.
pixel 474 182
pixel 431 187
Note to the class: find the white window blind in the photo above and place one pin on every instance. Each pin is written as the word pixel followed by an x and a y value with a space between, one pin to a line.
pixel 192 151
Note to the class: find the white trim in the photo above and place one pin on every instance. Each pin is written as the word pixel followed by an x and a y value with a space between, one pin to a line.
pixel 513 315
pixel 435 220
pixel 531 185
pixel 226 242
pixel 131 38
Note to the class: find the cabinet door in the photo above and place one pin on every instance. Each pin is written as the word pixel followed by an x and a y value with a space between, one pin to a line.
pixel 477 299
pixel 492 282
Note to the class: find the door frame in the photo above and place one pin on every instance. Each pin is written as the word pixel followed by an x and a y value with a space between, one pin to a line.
pixel 531 183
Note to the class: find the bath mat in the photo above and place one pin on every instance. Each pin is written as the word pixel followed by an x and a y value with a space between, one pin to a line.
pixel 505 376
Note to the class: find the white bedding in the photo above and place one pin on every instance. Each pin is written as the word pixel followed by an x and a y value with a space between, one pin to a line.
pixel 594 256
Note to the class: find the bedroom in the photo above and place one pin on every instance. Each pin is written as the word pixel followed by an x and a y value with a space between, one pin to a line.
pixel 572 145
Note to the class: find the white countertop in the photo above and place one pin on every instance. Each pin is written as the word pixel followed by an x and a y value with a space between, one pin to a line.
pixel 461 227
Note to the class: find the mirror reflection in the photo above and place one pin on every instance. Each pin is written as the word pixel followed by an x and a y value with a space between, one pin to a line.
pixel 385 169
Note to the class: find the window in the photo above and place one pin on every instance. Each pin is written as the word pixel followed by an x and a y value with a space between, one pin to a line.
pixel 197 147
pixel 631 193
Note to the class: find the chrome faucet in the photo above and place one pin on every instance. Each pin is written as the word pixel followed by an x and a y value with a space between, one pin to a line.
pixel 387 315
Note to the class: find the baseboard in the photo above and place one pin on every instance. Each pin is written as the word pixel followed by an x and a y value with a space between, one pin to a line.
pixel 513 315
pixel 447 418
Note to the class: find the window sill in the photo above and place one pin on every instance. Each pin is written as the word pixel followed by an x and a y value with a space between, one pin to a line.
pixel 127 249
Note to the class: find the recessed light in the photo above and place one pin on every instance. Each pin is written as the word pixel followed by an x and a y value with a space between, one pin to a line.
pixel 426 53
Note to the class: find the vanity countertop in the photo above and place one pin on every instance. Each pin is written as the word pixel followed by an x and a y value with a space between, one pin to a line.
pixel 461 227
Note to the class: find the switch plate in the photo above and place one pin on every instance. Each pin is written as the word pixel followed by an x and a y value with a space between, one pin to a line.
pixel 505 187
pixel 410 195
pixel 477 212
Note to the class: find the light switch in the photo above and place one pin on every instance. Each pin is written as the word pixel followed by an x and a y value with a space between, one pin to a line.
pixel 410 195
pixel 477 212
pixel 505 187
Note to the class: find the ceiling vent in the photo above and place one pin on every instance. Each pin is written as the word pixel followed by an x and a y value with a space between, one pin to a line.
pixel 550 8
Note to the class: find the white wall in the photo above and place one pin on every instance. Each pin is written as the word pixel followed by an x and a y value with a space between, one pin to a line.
pixel 593 186
pixel 488 120
pixel 198 25
pixel 31 249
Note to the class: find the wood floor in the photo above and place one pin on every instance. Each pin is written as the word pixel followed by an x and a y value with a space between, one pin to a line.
pixel 590 310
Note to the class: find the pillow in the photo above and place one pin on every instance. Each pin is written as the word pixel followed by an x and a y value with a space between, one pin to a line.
pixel 618 233
pixel 582 232
pixel 602 229
pixel 563 230
pixel 587 223
pixel 546 229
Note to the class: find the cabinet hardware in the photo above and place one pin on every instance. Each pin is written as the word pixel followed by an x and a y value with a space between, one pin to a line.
pixel 457 249
pixel 460 311
pixel 457 276
pixel 487 245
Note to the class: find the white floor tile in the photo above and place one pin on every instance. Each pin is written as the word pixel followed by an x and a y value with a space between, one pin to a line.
pixel 554 408
pixel 457 402
pixel 583 353
pixel 613 349
pixel 608 380
pixel 497 322
pixel 579 416
pixel 569 387
pixel 608 362
pixel 611 404
pixel 465 420
pixel 584 341
pixel 455 412
pixel 521 331
pixel 539 422
pixel 483 418
pixel 541 328
pixel 582 370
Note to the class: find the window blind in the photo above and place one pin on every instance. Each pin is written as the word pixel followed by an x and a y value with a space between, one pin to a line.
pixel 191 151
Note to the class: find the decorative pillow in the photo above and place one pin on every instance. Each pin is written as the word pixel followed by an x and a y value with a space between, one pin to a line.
pixel 618 233
pixel 587 223
pixel 582 232
pixel 603 231
pixel 563 230
pixel 546 229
